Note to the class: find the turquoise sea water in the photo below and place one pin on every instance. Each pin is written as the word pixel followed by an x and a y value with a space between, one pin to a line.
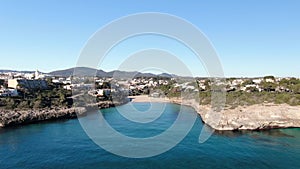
pixel 64 144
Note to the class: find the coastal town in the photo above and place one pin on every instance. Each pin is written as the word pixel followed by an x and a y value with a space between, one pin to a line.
pixel 37 93
pixel 13 84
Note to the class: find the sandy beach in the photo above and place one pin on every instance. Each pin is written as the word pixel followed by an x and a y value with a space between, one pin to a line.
pixel 146 98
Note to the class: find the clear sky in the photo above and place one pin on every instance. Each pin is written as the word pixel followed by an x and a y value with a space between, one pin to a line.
pixel 252 37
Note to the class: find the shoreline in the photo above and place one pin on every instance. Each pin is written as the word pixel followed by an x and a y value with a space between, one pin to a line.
pixel 255 117
pixel 146 98
pixel 10 118
pixel 22 117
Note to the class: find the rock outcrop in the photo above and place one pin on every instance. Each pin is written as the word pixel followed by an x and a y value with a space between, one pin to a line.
pixel 19 117
pixel 254 117
pixel 15 117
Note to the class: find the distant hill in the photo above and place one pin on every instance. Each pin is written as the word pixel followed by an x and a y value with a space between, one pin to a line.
pixel 3 71
pixel 79 71
pixel 167 75
pixel 85 71
pixel 125 74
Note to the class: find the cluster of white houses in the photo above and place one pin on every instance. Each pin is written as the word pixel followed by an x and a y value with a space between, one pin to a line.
pixel 16 80
pixel 203 84
pixel 36 80
pixel 248 85
pixel 142 83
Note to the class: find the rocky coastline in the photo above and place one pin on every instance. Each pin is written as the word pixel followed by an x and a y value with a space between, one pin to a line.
pixel 27 116
pixel 18 117
pixel 255 117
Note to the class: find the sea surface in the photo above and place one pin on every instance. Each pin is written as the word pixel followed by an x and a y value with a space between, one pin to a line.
pixel 64 144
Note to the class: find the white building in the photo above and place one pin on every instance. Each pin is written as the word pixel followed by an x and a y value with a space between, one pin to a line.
pixel 8 92
pixel 38 75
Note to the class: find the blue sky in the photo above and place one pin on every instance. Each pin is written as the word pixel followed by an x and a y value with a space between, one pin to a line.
pixel 252 37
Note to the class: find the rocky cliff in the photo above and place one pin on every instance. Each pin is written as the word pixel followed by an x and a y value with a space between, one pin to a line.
pixel 15 117
pixel 255 117
pixel 19 117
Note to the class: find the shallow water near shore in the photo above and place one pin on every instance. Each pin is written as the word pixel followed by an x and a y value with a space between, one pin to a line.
pixel 64 144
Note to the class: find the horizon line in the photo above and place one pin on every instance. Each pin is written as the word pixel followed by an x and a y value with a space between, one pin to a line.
pixel 62 69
